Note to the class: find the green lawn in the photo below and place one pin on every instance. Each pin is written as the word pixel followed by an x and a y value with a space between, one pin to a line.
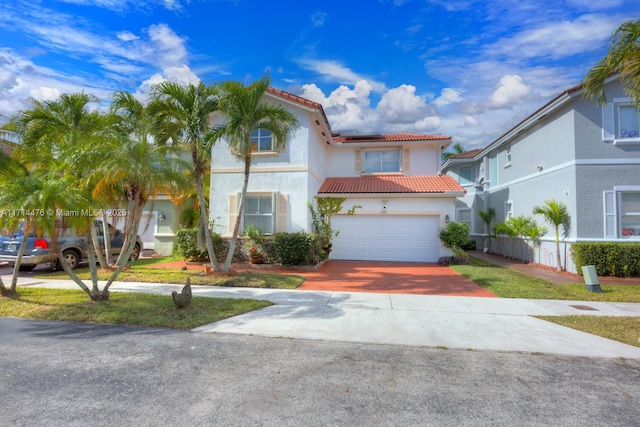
pixel 123 308
pixel 139 272
pixel 508 283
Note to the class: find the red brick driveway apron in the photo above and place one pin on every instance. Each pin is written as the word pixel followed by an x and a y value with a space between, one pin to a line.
pixel 391 277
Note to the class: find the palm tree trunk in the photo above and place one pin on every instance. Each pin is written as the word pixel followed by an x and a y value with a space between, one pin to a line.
pixel 558 258
pixel 107 239
pixel 135 210
pixel 236 226
pixel 207 232
pixel 16 266
pixel 97 248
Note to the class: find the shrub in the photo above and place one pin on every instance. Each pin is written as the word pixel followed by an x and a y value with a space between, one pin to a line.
pixel 454 237
pixel 609 259
pixel 453 260
pixel 292 248
pixel 187 245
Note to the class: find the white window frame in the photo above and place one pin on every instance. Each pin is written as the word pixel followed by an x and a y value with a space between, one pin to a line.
pixel 470 222
pixel 364 160
pixel 613 213
pixel 508 209
pixel 257 136
pixel 507 156
pixel 465 182
pixel 272 214
pixel 611 122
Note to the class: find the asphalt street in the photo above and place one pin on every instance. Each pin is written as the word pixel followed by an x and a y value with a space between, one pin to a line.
pixel 68 374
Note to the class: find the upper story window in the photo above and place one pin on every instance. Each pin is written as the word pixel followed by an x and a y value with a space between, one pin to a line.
pixel 465 177
pixel 380 161
pixel 262 140
pixel 507 156
pixel 621 122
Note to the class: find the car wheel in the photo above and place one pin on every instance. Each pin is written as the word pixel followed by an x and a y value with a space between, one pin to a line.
pixel 72 259
pixel 27 267
pixel 135 253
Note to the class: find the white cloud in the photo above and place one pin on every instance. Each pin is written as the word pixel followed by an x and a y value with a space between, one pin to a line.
pixel 448 96
pixel 334 72
pixel 127 36
pixel 167 45
pixel 556 40
pixel 510 90
pixel 402 105
pixel 318 18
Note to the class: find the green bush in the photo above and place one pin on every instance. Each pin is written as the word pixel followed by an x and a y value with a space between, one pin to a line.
pixel 187 245
pixel 609 259
pixel 454 237
pixel 292 248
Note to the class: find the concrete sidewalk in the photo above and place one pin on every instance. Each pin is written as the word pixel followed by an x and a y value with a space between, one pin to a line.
pixel 495 324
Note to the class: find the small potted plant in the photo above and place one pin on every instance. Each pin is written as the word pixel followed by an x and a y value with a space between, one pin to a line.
pixel 255 257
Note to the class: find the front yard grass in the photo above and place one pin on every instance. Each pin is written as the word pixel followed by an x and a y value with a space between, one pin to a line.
pixel 123 308
pixel 507 283
pixel 140 273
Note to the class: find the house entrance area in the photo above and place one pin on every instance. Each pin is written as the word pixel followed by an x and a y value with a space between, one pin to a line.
pixel 404 238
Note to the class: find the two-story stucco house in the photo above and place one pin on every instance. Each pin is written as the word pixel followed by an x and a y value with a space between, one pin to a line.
pixel 403 201
pixel 570 150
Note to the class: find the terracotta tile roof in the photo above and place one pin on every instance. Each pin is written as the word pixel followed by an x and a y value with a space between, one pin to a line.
pixel 396 137
pixel 390 184
pixel 467 154
pixel 300 100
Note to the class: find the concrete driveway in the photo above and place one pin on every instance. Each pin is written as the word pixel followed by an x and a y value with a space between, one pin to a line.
pixel 391 277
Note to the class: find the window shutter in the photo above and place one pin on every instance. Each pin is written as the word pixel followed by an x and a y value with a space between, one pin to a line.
pixel 233 212
pixel 608 127
pixel 281 211
pixel 405 160
pixel 358 166
pixel 609 209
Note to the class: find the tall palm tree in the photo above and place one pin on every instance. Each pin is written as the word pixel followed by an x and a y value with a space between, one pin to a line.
pixel 623 58
pixel 246 111
pixel 534 232
pixel 62 141
pixel 556 214
pixel 181 116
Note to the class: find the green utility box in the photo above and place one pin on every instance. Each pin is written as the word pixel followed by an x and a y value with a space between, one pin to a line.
pixel 591 278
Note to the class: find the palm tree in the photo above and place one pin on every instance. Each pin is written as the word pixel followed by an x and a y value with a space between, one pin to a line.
pixel 623 58
pixel 519 224
pixel 62 142
pixel 486 217
pixel 556 214
pixel 245 111
pixel 534 232
pixel 181 116
pixel 457 149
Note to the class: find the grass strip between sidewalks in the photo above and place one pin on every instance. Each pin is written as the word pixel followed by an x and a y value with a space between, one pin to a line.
pixel 123 308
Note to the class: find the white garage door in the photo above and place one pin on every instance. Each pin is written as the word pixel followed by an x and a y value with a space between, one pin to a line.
pixel 386 238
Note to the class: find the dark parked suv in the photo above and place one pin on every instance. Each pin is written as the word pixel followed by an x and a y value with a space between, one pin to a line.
pixel 74 249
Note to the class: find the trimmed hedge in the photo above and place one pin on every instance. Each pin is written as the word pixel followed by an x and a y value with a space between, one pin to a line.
pixel 293 248
pixel 187 245
pixel 609 259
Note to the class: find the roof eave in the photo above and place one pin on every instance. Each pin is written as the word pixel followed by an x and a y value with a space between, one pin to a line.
pixel 444 194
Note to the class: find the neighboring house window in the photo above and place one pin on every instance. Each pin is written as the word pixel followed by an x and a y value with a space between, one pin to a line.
pixel 466 175
pixel 258 210
pixel 262 140
pixel 508 209
pixel 622 213
pixel 621 122
pixel 507 156
pixel 464 215
pixel 627 122
pixel 380 161
pixel 493 170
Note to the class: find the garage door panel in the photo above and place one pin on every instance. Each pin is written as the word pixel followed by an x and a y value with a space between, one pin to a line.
pixel 386 238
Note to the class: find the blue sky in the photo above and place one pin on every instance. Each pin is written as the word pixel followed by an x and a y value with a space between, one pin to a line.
pixel 464 68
